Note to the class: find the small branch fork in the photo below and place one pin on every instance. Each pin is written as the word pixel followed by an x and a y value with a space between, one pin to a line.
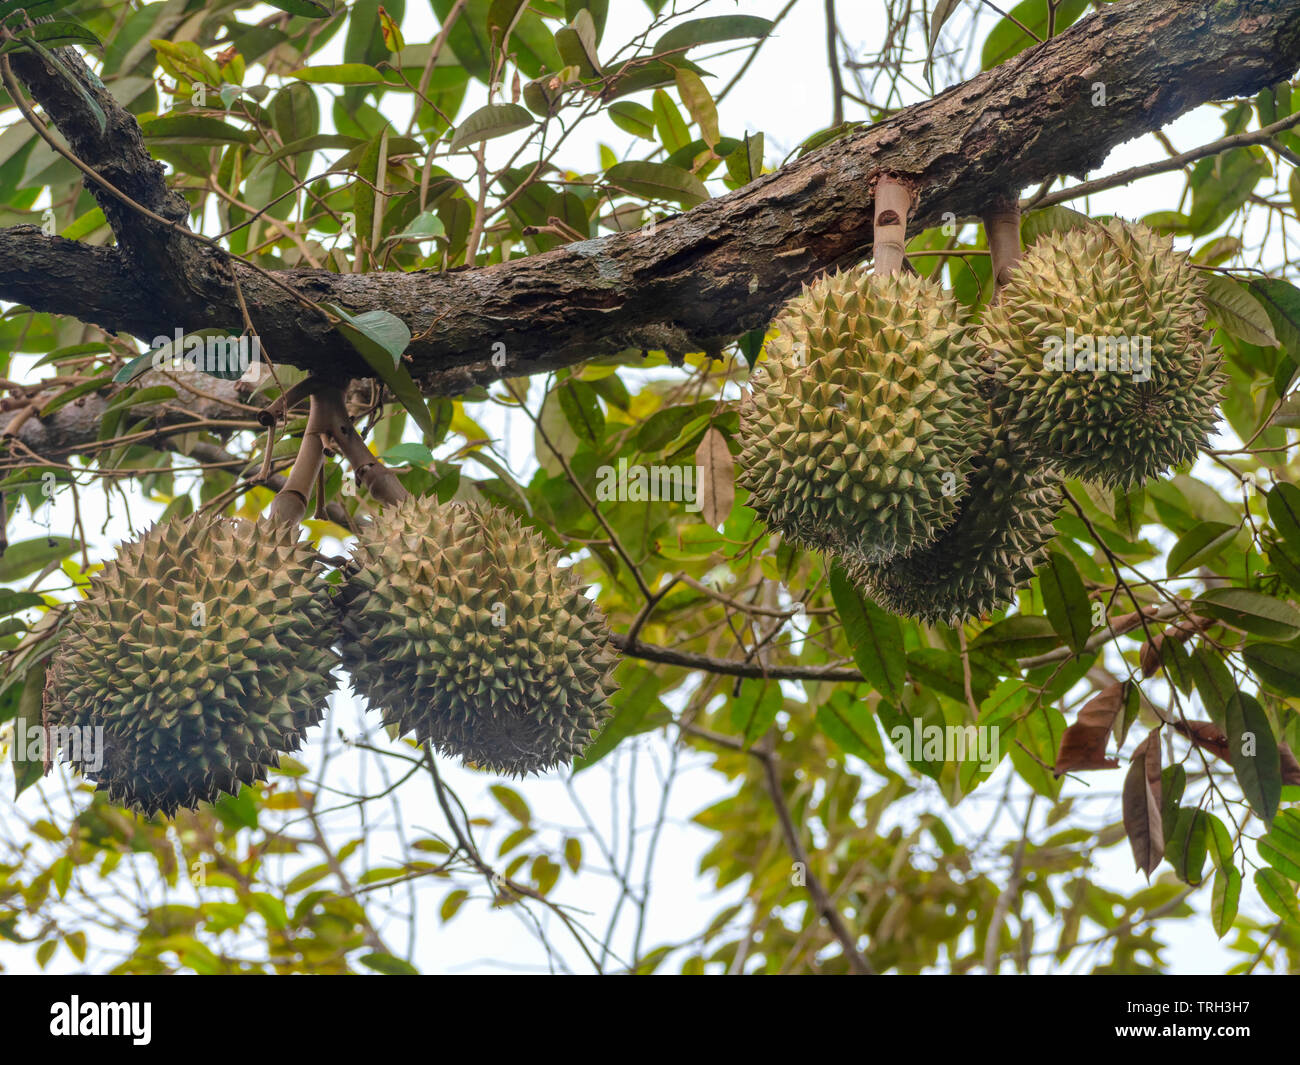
pixel 328 424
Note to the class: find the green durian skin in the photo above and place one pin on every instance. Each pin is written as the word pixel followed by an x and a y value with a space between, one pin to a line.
pixel 1107 426
pixel 861 431
pixel 203 651
pixel 462 629
pixel 997 541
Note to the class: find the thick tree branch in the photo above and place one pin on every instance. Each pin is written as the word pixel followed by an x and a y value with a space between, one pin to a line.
pixel 723 268
pixel 117 152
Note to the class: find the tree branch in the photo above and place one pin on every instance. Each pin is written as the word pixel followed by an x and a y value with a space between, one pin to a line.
pixel 726 266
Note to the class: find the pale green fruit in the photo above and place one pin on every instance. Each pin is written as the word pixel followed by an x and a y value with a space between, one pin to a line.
pixel 461 628
pixel 1118 417
pixel 993 547
pixel 203 651
pixel 861 432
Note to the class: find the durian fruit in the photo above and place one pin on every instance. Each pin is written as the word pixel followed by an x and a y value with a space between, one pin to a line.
pixel 203 651
pixel 862 425
pixel 462 630
pixel 1100 354
pixel 993 547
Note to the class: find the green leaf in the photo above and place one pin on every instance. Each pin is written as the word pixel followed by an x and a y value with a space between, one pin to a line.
pixel 1019 636
pixel 512 802
pixel 1006 39
pixel 1276 664
pixel 1250 611
pixel 12 602
pixel 1284 513
pixel 1213 681
pixel 381 338
pixel 133 369
pixel 633 118
pixel 340 74
pixel 850 723
pixel 1239 312
pixel 61 69
pixel 576 44
pixel 943 9
pixel 1223 903
pixel 1280 846
pixel 305 8
pixel 1220 843
pixel 637 696
pixel 1198 546
pixel 388 965
pixel 408 454
pixel 134 397
pixel 1066 600
pixel 194 129
pixel 1281 300
pixel 313 144
pixel 711 31
pixel 58 34
pixel 698 101
pixel 1254 752
pixel 754 710
pixel 28 556
pixel 1054 219
pixel 452 903
pixel 1278 895
pixel 669 123
pixel 582 410
pixel 28 770
pixel 1187 844
pixel 875 636
pixel 493 120
pixel 658 181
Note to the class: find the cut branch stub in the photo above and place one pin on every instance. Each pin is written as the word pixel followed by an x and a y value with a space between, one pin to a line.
pixel 290 503
pixel 1002 227
pixel 893 205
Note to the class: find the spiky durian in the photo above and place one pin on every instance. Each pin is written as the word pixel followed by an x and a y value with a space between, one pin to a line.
pixel 862 427
pixel 462 629
pixel 202 652
pixel 1101 356
pixel 993 547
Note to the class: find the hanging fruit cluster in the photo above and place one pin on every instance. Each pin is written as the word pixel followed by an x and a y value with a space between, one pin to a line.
pixel 921 449
pixel 924 451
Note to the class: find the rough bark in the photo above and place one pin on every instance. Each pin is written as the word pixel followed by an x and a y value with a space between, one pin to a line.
pixel 710 274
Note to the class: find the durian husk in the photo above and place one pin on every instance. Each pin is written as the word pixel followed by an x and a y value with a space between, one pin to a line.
pixel 996 542
pixel 866 417
pixel 1110 281
pixel 461 628
pixel 203 651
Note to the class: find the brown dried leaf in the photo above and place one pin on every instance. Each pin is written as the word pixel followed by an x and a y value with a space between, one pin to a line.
pixel 717 473
pixel 1142 820
pixel 1151 656
pixel 1084 744
pixel 1208 736
pixel 1290 767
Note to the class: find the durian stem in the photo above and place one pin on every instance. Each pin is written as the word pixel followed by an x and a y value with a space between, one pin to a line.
pixel 889 239
pixel 290 503
pixel 1002 227
pixel 372 475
